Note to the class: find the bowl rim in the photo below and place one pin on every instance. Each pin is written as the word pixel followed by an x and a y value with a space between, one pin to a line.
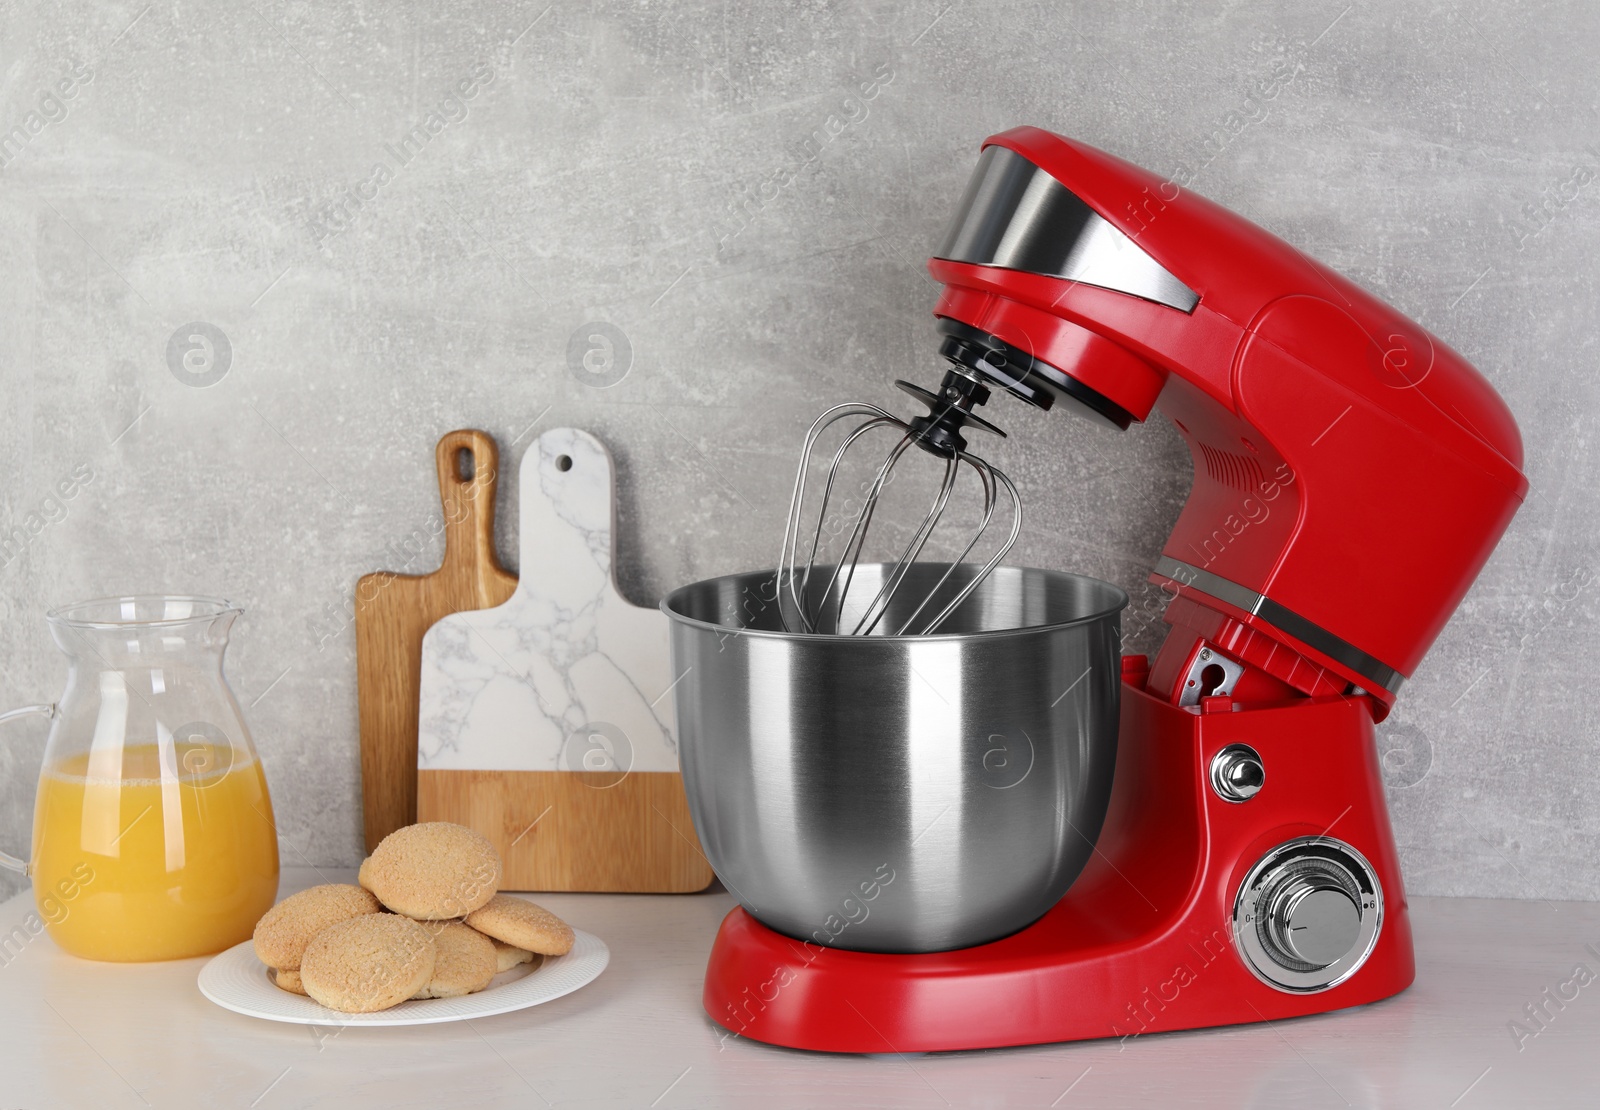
pixel 665 606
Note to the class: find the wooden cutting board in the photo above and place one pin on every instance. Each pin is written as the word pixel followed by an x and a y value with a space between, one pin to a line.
pixel 393 611
pixel 546 722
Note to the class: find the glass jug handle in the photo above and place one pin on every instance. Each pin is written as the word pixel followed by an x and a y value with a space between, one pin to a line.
pixel 8 861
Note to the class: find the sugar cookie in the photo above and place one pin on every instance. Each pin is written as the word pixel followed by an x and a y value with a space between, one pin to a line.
pixel 284 931
pixel 464 964
pixel 286 980
pixel 508 956
pixel 433 871
pixel 523 924
pixel 368 963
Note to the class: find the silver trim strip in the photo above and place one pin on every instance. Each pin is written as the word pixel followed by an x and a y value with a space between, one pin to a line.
pixel 1375 671
pixel 1016 216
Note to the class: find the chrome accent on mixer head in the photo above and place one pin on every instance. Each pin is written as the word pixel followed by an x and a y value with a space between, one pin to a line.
pixel 806 609
pixel 1016 216
pixel 1377 672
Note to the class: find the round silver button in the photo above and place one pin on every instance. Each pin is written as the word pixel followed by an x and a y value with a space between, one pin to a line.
pixel 1237 773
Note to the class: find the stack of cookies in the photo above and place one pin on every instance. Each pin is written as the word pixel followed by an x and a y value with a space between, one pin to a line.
pixel 427 921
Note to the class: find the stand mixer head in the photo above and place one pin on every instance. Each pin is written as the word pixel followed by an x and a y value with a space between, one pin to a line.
pixel 1352 473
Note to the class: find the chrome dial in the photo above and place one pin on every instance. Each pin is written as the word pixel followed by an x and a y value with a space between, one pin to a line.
pixel 1308 914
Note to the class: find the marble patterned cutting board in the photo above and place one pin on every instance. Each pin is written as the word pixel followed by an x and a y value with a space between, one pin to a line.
pixel 566 675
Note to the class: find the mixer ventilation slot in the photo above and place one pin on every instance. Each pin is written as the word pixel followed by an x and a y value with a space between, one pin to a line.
pixel 1239 471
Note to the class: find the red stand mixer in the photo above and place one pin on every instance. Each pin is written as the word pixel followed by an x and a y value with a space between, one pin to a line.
pixel 1351 476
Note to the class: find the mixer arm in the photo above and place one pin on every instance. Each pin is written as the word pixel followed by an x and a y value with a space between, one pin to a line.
pixel 1351 472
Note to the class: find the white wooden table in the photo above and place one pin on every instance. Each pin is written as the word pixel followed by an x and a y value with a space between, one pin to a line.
pixel 108 1035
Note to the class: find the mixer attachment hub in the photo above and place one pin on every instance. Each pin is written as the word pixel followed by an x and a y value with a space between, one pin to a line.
pixel 949 411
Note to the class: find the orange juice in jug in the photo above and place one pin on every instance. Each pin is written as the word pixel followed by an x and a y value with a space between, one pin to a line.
pixel 150 860
pixel 153 836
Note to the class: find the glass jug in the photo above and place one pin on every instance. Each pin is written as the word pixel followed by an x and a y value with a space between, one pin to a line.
pixel 153 836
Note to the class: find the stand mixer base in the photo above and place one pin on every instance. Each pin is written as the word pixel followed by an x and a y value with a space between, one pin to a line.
pixel 1146 940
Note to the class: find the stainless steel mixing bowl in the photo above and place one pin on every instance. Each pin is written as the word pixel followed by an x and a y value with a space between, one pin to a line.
pixel 899 793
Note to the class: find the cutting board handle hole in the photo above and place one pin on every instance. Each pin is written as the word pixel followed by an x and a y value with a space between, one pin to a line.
pixel 466 464
pixel 563 463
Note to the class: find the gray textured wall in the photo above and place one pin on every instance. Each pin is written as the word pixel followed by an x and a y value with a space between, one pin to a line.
pixel 215 163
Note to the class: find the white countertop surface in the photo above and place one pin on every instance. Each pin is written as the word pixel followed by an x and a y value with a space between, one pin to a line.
pixel 74 1034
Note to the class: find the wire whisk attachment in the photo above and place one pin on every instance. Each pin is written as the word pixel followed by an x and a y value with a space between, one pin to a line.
pixel 817 598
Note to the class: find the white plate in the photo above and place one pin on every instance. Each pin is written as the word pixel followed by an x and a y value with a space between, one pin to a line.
pixel 237 981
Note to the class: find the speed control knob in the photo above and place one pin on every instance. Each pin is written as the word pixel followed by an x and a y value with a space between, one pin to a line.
pixel 1307 914
pixel 1314 923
